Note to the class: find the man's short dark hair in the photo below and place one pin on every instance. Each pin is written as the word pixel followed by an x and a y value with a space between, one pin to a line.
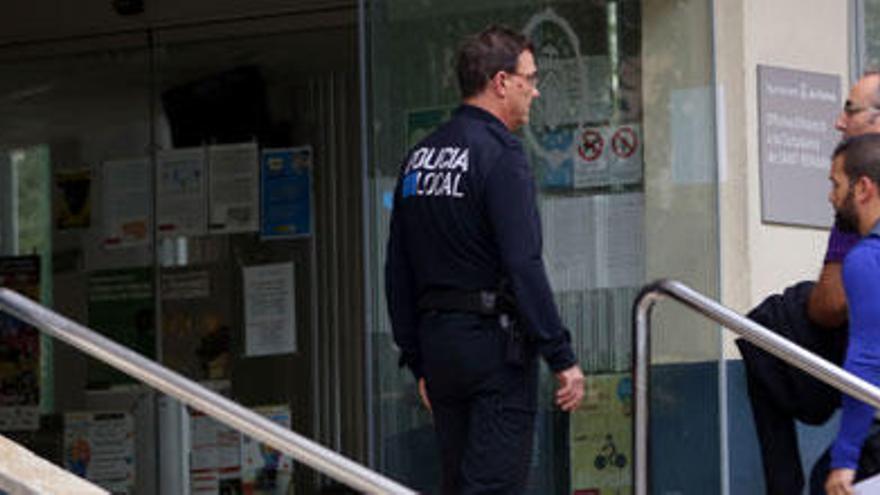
pixel 862 157
pixel 481 56
pixel 840 148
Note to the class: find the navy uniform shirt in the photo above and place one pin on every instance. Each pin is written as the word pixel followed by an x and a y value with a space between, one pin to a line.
pixel 465 218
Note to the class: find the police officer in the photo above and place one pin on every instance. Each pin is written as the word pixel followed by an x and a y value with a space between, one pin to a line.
pixel 470 304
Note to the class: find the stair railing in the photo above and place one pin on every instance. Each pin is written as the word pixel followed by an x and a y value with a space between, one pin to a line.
pixel 191 393
pixel 780 347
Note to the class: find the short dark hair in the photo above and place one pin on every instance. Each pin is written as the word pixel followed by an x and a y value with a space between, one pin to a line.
pixel 862 157
pixel 481 56
pixel 840 148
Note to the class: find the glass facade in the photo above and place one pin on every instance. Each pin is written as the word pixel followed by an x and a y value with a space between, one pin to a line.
pixel 622 143
pixel 185 192
pixel 869 44
pixel 197 192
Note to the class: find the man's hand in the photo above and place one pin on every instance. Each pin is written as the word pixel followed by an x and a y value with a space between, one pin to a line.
pixel 840 482
pixel 423 393
pixel 571 388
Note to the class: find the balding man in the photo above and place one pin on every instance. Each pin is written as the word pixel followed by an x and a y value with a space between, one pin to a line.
pixel 860 115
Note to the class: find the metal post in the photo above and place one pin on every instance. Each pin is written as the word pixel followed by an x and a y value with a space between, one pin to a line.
pixel 767 340
pixel 641 386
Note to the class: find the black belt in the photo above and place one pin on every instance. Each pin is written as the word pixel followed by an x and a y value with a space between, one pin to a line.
pixel 482 302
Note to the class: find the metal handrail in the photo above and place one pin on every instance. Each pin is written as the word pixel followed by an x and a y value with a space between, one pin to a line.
pixel 780 347
pixel 220 408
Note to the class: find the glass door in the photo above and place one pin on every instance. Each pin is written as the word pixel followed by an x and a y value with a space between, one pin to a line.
pixel 622 146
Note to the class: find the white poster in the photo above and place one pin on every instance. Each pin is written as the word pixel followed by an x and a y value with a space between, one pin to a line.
pixel 100 448
pixel 215 456
pixel 234 193
pixel 181 198
pixel 270 326
pixel 125 211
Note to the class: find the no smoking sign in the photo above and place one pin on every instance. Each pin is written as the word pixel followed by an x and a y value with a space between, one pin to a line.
pixel 625 142
pixel 608 155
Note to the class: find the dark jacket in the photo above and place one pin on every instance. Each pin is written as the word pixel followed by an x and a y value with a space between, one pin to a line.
pixel 465 218
pixel 809 399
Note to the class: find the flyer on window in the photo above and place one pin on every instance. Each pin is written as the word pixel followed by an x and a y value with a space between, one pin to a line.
pixel 73 205
pixel 601 437
pixel 285 192
pixel 181 193
pixel 270 318
pixel 215 460
pixel 233 188
pixel 20 346
pixel 125 210
pixel 264 470
pixel 100 448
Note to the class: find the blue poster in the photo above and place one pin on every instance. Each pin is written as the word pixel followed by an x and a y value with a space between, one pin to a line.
pixel 286 192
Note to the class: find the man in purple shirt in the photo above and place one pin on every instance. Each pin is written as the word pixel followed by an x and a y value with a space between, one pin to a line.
pixel 855 195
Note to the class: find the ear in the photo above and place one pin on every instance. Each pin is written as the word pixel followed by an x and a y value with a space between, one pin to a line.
pixel 865 189
pixel 498 83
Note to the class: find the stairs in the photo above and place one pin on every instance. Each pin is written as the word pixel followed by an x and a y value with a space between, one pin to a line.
pixel 23 473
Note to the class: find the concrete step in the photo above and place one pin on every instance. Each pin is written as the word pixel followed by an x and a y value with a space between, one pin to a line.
pixel 24 473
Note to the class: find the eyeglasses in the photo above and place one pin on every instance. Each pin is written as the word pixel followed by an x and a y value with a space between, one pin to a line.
pixel 532 78
pixel 850 109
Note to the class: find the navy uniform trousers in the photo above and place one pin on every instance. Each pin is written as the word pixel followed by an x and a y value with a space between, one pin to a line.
pixel 483 408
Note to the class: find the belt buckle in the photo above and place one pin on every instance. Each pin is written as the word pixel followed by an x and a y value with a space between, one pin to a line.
pixel 488 302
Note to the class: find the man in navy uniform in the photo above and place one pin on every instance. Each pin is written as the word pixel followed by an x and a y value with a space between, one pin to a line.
pixel 470 304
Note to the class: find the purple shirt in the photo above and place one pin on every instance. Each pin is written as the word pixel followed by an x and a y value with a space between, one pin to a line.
pixel 839 244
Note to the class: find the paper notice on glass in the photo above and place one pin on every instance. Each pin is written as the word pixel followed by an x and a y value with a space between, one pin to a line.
pixel 181 196
pixel 204 478
pixel 270 326
pixel 265 470
pixel 127 189
pixel 186 285
pixel 868 486
pixel 215 456
pixel 233 189
pixel 100 448
pixel 285 186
